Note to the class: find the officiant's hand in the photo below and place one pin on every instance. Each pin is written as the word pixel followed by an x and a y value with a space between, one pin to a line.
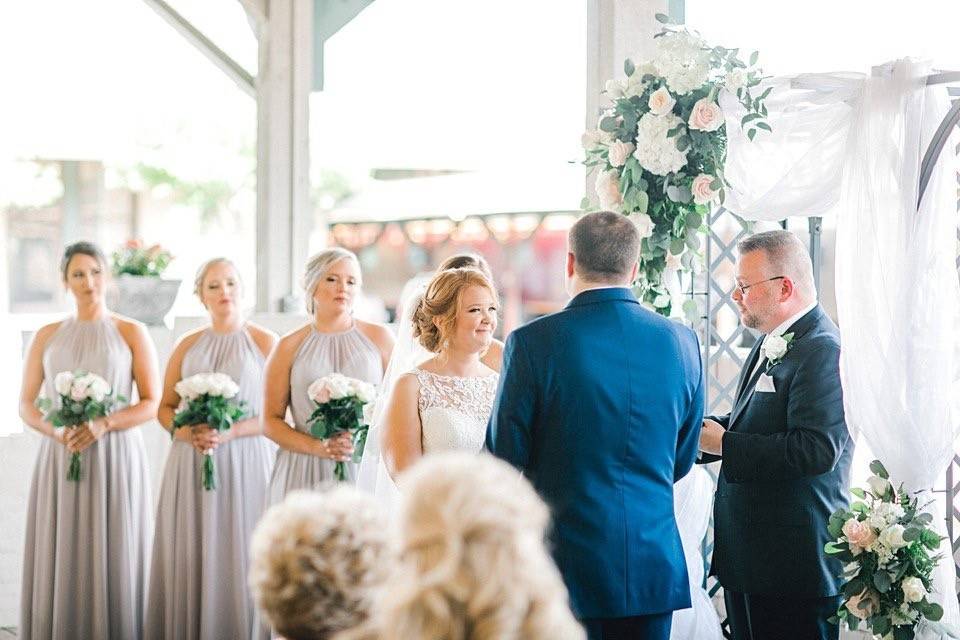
pixel 339 447
pixel 711 437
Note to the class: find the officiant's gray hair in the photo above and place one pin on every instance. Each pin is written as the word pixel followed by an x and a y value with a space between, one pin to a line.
pixel 787 256
pixel 605 246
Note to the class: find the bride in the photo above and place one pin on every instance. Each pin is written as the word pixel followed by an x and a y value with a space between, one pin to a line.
pixel 442 402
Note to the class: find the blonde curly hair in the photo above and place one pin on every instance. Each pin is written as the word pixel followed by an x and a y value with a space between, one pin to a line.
pixel 317 561
pixel 472 563
pixel 440 302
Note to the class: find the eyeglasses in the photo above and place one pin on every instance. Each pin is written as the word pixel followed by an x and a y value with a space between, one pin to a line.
pixel 743 287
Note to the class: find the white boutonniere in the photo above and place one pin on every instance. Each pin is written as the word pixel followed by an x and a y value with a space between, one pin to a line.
pixel 775 348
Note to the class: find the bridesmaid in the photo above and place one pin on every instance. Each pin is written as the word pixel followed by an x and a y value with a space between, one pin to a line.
pixel 333 342
pixel 84 566
pixel 198 577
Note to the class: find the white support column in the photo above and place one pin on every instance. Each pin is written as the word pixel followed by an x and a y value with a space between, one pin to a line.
pixel 283 151
pixel 616 30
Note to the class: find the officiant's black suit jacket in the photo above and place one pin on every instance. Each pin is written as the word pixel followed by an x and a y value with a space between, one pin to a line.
pixel 785 469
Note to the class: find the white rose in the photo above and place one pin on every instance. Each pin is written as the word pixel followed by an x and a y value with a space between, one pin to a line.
pixel 774 347
pixel 661 301
pixel 359 389
pixel 614 89
pixel 339 386
pixel 878 485
pixel 701 190
pixel 366 392
pixel 643 223
pixel 590 139
pixel 661 102
pixel 62 383
pixel 200 384
pixel 735 80
pixel 608 190
pixel 892 537
pixel 619 152
pixel 78 390
pixel 673 262
pixel 705 115
pixel 98 389
pixel 913 589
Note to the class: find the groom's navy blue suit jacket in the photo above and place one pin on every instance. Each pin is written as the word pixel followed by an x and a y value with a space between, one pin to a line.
pixel 785 469
pixel 600 405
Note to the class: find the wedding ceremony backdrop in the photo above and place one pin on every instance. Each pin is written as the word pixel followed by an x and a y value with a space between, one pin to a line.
pixel 291 33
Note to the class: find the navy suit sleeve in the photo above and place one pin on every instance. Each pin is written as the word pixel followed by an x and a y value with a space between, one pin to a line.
pixel 511 421
pixel 707 458
pixel 688 439
pixel 815 433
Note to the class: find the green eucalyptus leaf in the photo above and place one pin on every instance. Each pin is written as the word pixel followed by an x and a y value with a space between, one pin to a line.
pixel 881 580
pixel 754 57
pixel 933 612
pixel 628 67
pixel 877 467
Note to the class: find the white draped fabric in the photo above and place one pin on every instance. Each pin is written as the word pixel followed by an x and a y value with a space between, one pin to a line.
pixel 692 503
pixel 851 146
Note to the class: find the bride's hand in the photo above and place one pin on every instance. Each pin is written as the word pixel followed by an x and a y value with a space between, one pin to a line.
pixel 339 447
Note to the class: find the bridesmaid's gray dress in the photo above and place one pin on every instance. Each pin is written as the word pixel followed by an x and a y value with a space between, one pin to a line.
pixel 85 562
pixel 198 577
pixel 350 353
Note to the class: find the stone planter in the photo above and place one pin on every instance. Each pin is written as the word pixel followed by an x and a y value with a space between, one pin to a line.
pixel 143 298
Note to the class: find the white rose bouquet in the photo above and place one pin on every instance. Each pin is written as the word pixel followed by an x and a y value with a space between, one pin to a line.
pixel 660 149
pixel 84 397
pixel 207 398
pixel 886 544
pixel 341 403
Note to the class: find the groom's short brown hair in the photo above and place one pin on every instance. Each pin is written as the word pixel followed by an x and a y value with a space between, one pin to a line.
pixel 605 246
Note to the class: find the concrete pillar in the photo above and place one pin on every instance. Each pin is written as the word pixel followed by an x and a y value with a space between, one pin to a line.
pixel 283 87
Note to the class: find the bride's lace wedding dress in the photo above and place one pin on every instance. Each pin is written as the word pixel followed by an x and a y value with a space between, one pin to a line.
pixel 454 411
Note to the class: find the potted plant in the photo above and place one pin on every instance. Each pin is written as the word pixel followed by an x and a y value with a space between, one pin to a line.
pixel 141 293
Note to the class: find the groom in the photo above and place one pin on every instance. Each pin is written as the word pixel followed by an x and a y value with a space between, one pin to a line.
pixel 600 405
pixel 786 453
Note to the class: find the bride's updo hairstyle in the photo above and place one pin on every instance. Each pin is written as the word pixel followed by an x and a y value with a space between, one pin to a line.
pixel 467 261
pixel 472 562
pixel 435 315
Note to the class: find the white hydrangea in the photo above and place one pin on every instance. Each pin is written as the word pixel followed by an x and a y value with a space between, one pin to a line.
pixel 885 514
pixel 655 152
pixel 682 60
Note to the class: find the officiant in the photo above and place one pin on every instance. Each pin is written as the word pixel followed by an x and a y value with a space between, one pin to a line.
pixel 785 453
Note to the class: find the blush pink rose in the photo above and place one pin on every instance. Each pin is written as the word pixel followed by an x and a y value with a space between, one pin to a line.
pixel 702 193
pixel 608 190
pixel 661 102
pixel 619 152
pixel 705 116
pixel 859 533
